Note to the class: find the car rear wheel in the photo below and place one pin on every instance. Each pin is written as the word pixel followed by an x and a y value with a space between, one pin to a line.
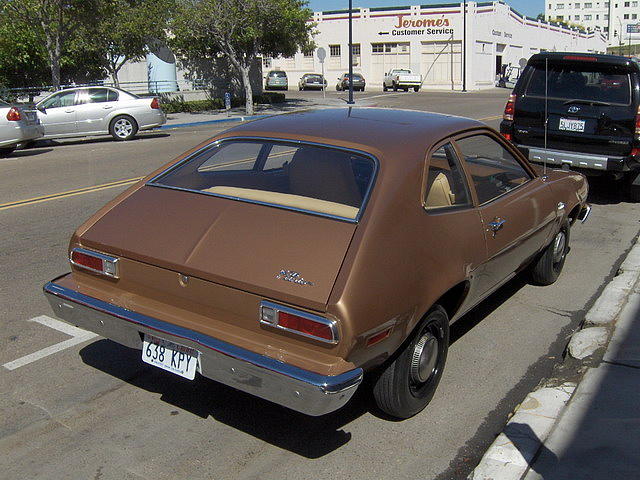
pixel 408 383
pixel 395 87
pixel 547 267
pixel 123 127
pixel 415 89
pixel 5 151
pixel 384 87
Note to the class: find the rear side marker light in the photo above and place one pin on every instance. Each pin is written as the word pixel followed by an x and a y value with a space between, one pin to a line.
pixel 94 262
pixel 378 337
pixel 13 115
pixel 509 108
pixel 299 322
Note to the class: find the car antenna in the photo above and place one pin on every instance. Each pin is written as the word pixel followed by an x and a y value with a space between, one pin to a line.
pixel 546 113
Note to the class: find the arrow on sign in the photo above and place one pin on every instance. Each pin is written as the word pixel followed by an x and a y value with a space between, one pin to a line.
pixel 383 33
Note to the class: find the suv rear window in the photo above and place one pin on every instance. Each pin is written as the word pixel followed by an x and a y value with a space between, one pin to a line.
pixel 310 178
pixel 278 74
pixel 589 82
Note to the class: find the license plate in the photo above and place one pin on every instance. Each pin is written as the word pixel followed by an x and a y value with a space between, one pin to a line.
pixel 572 125
pixel 170 356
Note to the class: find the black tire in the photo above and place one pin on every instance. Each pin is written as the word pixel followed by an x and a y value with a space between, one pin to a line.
pixel 546 268
pixel 123 127
pixel 395 87
pixel 416 89
pixel 384 87
pixel 338 87
pixel 6 151
pixel 407 384
pixel 406 89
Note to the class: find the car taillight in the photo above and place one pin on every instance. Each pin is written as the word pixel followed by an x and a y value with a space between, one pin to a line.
pixel 635 152
pixel 13 115
pixel 94 262
pixel 155 103
pixel 510 108
pixel 507 136
pixel 296 321
pixel 638 124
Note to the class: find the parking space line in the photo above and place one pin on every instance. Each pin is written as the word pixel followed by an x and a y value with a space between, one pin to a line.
pixel 78 336
pixel 70 193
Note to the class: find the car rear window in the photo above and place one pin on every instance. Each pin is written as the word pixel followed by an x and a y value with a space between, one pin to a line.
pixel 588 82
pixel 303 177
pixel 278 74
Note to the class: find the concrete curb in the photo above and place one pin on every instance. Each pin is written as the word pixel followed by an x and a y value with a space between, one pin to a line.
pixel 511 454
pixel 209 122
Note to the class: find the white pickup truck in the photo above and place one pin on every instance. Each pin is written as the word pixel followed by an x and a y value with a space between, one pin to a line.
pixel 401 78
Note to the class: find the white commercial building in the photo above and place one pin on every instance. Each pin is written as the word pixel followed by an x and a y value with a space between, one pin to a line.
pixel 613 17
pixel 429 40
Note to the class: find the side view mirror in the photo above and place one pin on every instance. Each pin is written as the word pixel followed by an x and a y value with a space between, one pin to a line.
pixel 41 108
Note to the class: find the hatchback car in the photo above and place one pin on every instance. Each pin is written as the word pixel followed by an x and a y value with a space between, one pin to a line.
pixel 276 79
pixel 592 105
pixel 295 253
pixel 358 82
pixel 18 124
pixel 312 81
pixel 85 111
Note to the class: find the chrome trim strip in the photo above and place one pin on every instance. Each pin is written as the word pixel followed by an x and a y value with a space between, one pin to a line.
pixel 365 200
pixel 574 159
pixel 102 256
pixel 313 394
pixel 332 324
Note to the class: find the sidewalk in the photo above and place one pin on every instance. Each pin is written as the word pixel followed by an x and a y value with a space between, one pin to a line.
pixel 592 430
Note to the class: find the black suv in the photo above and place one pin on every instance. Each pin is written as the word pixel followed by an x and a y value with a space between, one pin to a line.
pixel 592 111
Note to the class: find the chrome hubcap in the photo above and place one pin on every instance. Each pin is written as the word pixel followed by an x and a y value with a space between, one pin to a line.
pixel 424 359
pixel 559 244
pixel 123 128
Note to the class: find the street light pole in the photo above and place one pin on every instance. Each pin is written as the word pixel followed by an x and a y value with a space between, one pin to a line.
pixel 350 101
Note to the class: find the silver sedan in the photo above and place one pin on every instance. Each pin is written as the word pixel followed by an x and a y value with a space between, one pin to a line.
pixel 85 111
pixel 17 125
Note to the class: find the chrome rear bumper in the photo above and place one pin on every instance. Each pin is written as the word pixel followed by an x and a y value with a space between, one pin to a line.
pixel 262 376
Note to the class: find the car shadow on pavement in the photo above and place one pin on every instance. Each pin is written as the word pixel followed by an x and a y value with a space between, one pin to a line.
pixel 310 437
pixel 87 140
pixel 604 191
pixel 31 152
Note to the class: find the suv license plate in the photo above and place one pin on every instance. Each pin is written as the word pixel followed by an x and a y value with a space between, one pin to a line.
pixel 170 356
pixel 572 125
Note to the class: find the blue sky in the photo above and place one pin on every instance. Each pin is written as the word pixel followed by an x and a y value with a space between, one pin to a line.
pixel 530 8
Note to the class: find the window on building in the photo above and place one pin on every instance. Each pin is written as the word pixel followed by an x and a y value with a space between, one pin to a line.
pixel 334 50
pixel 560 6
pixel 377 47
pixel 308 54
pixel 577 5
pixel 606 16
pixel 597 17
pixel 588 5
pixel 587 17
pixel 626 4
pixel 626 16
pixel 577 17
pixel 355 49
pixel 560 17
pixel 634 16
pixel 634 4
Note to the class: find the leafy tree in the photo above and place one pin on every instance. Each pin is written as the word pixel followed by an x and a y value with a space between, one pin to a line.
pixel 122 29
pixel 241 31
pixel 56 20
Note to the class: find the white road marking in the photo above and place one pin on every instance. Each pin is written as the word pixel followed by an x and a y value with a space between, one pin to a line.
pixel 78 336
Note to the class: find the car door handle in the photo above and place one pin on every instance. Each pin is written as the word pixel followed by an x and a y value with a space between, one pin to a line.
pixel 496 225
pixel 69 111
pixel 107 107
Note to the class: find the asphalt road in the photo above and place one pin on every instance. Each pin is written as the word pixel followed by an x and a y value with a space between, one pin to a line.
pixel 94 410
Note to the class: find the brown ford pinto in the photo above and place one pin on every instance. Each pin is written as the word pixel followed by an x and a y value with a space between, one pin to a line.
pixel 288 256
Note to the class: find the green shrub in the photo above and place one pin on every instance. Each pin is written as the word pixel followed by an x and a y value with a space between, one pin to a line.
pixel 179 104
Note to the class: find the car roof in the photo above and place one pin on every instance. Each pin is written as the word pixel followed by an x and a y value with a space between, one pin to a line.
pixel 385 133
pixel 580 57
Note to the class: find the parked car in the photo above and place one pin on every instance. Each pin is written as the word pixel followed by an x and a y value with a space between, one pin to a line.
pixel 358 82
pixel 276 79
pixel 312 81
pixel 593 111
pixel 403 79
pixel 18 124
pixel 85 111
pixel 294 253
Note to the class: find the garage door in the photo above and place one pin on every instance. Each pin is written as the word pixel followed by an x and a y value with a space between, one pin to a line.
pixel 385 56
pixel 442 63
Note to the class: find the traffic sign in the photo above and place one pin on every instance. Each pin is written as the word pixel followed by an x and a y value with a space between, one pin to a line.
pixel 633 28
pixel 322 54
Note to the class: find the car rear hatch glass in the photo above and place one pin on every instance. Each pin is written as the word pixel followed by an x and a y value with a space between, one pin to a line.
pixel 271 218
pixel 590 107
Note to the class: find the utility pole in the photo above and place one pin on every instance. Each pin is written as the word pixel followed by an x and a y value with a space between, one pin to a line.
pixel 350 101
pixel 464 46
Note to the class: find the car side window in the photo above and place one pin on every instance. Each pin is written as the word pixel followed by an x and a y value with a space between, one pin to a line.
pixel 101 95
pixel 445 184
pixel 62 99
pixel 493 169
